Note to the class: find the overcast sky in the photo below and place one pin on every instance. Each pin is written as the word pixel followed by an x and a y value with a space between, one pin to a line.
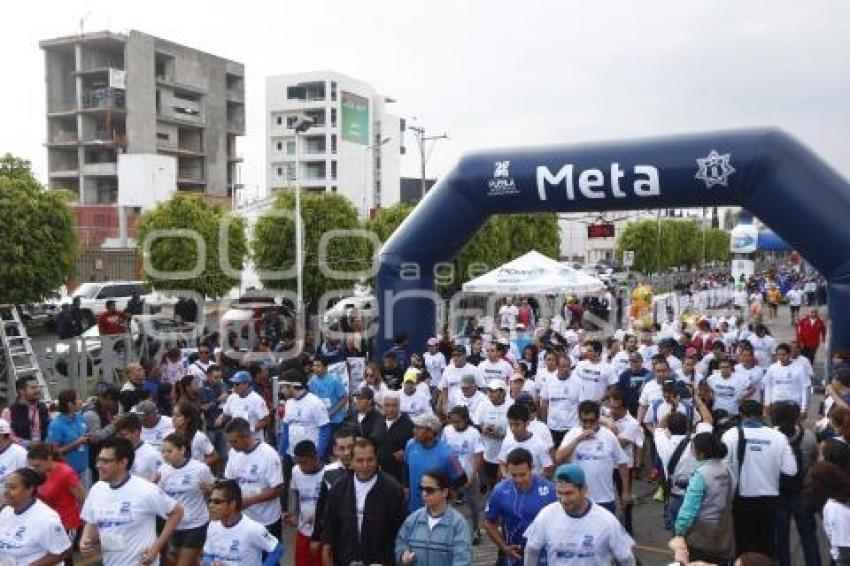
pixel 493 73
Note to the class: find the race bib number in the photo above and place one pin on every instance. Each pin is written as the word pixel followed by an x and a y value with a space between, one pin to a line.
pixel 112 542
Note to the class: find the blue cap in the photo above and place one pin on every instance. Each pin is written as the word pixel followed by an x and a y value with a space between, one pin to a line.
pixel 570 473
pixel 241 377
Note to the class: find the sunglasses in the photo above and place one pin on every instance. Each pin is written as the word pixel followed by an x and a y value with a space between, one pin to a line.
pixel 430 490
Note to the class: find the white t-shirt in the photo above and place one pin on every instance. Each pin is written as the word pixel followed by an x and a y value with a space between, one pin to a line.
pixel 628 428
pixel 666 444
pixel 256 471
pixel 540 457
pixel 495 416
pixel 543 375
pixel 361 491
pixel 156 435
pixel 756 376
pixel 500 369
pixel 795 297
pixel 764 348
pixel 452 377
pixel 12 458
pixel 199 369
pixel 146 462
pixel 620 361
pixel 595 379
pixel 305 416
pixel 540 430
pixel 563 396
pixel 805 365
pixel 242 544
pixel 434 364
pixel 251 407
pixel 125 518
pixel 598 456
pixel 471 403
pixel 650 396
pixel 836 523
pixel 664 409
pixel 31 535
pixel 184 485
pixel 466 445
pixel 674 363
pixel 647 351
pixel 507 316
pixel 201 447
pixel 596 537
pixel 308 487
pixel 419 403
pixel 786 383
pixel 767 456
pixel 728 391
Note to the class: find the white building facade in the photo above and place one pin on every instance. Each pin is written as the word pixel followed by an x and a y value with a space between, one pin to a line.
pixel 353 146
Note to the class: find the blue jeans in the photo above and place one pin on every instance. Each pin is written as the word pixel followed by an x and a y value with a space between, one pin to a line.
pixel 795 506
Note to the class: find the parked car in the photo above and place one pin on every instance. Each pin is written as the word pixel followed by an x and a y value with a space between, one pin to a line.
pixel 93 296
pixel 366 305
pixel 255 315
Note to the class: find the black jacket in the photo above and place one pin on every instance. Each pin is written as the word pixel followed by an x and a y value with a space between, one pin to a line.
pixel 382 517
pixel 395 439
pixel 373 426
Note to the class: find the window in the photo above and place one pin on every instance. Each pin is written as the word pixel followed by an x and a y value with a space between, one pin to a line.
pixel 333 169
pixel 162 136
pixel 279 120
pixel 333 189
pixel 333 91
pixel 333 117
pixel 290 148
pixel 280 171
pixel 333 143
pixel 279 146
pixel 290 121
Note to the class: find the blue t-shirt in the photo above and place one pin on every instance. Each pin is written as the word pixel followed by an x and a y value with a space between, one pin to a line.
pixel 421 459
pixel 329 389
pixel 517 509
pixel 630 383
pixel 65 429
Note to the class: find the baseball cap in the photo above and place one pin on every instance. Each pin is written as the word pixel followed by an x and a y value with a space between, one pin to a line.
pixel 432 341
pixel 146 407
pixel 365 392
pixel 497 384
pixel 570 473
pixel 5 427
pixel 427 420
pixel 411 375
pixel 241 377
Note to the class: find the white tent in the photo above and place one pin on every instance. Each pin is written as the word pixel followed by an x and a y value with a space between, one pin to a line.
pixel 534 273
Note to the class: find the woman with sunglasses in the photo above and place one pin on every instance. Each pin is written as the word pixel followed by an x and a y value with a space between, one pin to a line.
pixel 30 532
pixel 435 534
pixel 372 376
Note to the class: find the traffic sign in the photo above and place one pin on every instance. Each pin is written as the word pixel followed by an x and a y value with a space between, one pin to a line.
pixel 628 258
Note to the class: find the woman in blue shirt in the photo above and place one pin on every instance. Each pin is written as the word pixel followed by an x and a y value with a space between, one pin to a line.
pixel 434 535
pixel 70 434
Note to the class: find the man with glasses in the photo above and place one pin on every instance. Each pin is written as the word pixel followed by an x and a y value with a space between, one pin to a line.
pixel 121 510
pixel 453 377
pixel 597 451
pixel 513 505
pixel 575 528
pixel 234 538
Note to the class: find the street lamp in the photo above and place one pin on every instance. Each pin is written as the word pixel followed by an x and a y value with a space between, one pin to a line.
pixel 301 124
pixel 366 192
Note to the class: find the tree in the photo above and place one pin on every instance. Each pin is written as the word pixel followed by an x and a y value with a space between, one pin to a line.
pixel 501 239
pixel 273 244
pixel 717 245
pixel 672 243
pixel 174 253
pixel 38 243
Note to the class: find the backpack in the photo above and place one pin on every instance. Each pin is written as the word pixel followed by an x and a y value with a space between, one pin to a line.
pixel 790 485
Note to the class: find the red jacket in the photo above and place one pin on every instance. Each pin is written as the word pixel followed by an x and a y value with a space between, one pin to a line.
pixel 810 333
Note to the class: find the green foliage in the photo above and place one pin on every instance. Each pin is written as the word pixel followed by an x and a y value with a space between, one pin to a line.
pixel 501 239
pixel 273 243
pixel 681 244
pixel 170 254
pixel 37 239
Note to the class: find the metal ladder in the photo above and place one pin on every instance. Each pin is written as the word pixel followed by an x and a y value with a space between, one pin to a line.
pixel 19 359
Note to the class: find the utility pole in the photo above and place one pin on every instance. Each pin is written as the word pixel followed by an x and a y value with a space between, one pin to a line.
pixel 421 140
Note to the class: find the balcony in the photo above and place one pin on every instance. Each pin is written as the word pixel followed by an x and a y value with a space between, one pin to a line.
pixel 166 80
pixel 64 174
pixel 235 96
pixel 106 169
pixel 63 138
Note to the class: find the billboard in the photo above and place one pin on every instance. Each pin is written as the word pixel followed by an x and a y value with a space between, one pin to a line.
pixel 355 118
pixel 744 239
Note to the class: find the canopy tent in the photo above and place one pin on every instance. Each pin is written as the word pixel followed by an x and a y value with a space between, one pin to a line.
pixel 534 274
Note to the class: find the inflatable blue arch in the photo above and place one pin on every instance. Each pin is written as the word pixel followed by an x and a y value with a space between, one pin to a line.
pixel 765 171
